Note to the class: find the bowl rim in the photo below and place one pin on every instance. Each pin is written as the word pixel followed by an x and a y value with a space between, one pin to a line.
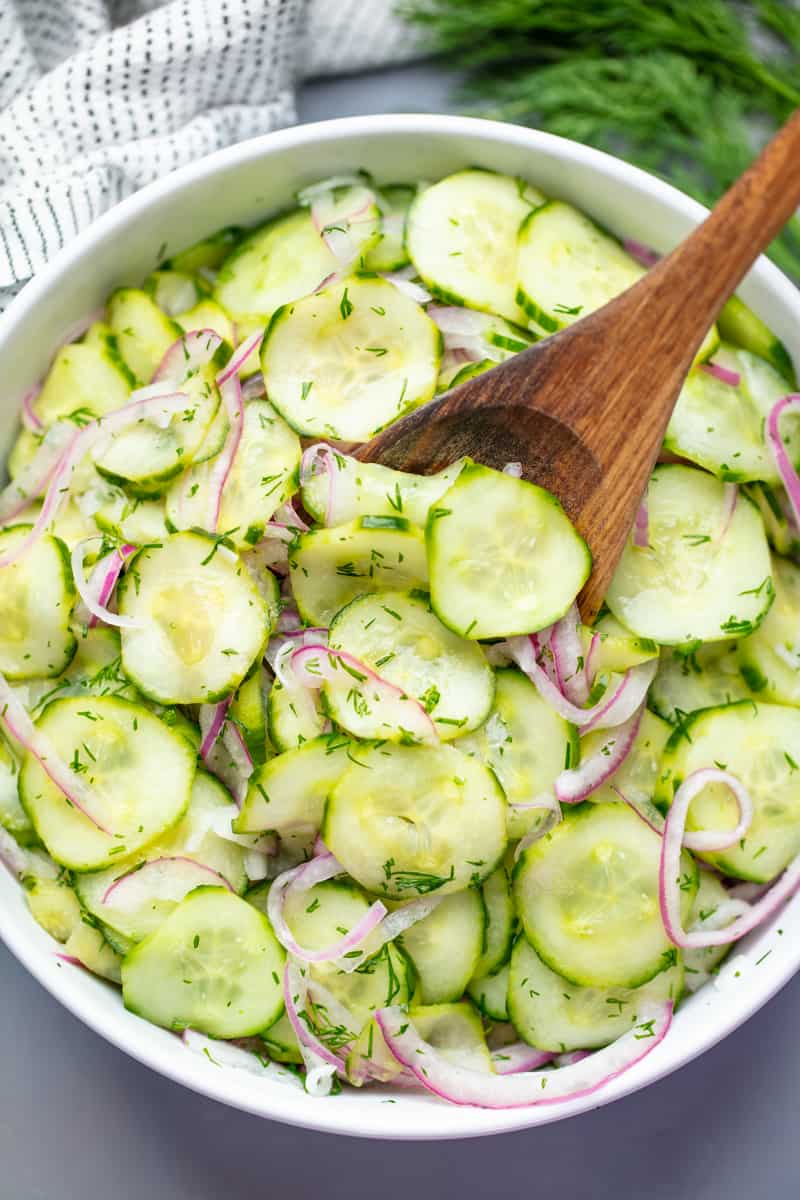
pixel 128 1033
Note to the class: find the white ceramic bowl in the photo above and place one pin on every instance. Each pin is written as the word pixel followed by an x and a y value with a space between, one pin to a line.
pixel 242 185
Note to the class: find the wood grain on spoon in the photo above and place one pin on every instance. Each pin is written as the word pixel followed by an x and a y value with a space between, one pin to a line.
pixel 585 410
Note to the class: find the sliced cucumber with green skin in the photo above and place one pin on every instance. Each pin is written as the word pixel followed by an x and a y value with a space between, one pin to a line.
pixel 770 658
pixel 36 598
pixel 776 513
pixel 280 1041
pixel 398 636
pixel 347 361
pixel 370 490
pixel 143 332
pixel 455 1030
pixel 700 963
pixel 175 291
pixel 552 1013
pixel 203 621
pixel 503 556
pixel 93 949
pixel 587 896
pixel 692 677
pixel 462 238
pixel 190 841
pixel 12 815
pixel 87 381
pixel 248 711
pixel 453 376
pixel 525 743
pixel 721 427
pixel 287 794
pixel 617 648
pixel 445 947
pixel 330 567
pixel 263 476
pixel 387 977
pixel 213 965
pixel 568 267
pixel 280 262
pixel 500 921
pixel 320 916
pixel 96 670
pixel 635 780
pixel 758 743
pixel 389 252
pixel 131 519
pixel 690 583
pixel 139 770
pixel 489 993
pixel 409 820
pixel 294 716
pixel 209 253
pixel 53 905
pixel 740 325
pixel 207 314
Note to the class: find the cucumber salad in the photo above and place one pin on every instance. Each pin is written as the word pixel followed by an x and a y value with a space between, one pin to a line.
pixel 315 759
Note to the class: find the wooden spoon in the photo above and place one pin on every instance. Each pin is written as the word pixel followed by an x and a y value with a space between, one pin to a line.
pixel 585 410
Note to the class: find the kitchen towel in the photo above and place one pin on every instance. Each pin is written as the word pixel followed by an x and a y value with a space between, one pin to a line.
pixel 98 97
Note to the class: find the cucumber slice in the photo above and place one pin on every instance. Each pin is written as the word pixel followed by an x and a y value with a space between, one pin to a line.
pixel 504 558
pixel 454 1029
pixel 445 947
pixel 53 905
pixel 204 622
pixel 701 963
pixel 83 382
pixel 12 815
pixel 370 490
pixel 389 252
pixel 408 820
pixel 96 670
pixel 552 1013
pixel 500 922
pixel 140 770
pixel 689 584
pixel 399 637
pixel 587 897
pixel 277 264
pixel 143 332
pixel 36 599
pixel 636 778
pixel 489 993
pixel 208 315
pixel 263 476
pixel 740 325
pixel 348 360
pixel 721 427
pixel 330 567
pixel 294 716
pixel 174 291
pixel 462 238
pixel 453 376
pixel 100 334
pixel 697 677
pixel 325 913
pixel 214 965
pixel 758 744
pixel 90 945
pixel 131 518
pixel 209 253
pixel 770 658
pixel 287 794
pixel 385 978
pixel 525 743
pixel 568 267
pixel 776 513
pixel 618 649
pixel 281 1041
pixel 191 841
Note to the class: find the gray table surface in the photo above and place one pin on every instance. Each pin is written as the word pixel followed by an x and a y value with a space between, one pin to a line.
pixel 79 1119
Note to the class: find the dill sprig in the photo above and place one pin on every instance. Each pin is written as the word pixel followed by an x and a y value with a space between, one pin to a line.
pixel 686 90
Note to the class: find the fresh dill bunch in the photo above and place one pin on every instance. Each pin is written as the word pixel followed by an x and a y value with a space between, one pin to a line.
pixel 687 89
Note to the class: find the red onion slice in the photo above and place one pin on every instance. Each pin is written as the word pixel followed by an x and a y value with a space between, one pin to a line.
pixel 461 1085
pixel 320 453
pixel 230 390
pixel 167 878
pixel 254 387
pixel 34 478
pixel 404 283
pixel 645 255
pixel 641 526
pixel 519 1056
pixel 20 726
pixel 723 374
pixel 566 646
pixel 21 861
pixel 295 995
pixel 313 665
pixel 28 416
pixel 96 591
pixel 300 879
pixel 789 476
pixel 514 469
pixel 389 928
pixel 576 783
pixel 158 408
pixel 344 234
pixel 228 1054
pixel 212 717
pixel 612 710
pixel 669 869
pixel 729 502
pixel 187 355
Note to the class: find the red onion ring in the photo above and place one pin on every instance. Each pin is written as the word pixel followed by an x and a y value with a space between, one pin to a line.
pixel 155 880
pixel 519 1056
pixel 322 452
pixel 576 783
pixel 391 926
pixel 36 475
pixel 645 255
pixel 729 503
pixel 28 416
pixel 404 283
pixel 641 526
pixel 461 1085
pixel 295 995
pixel 230 390
pixel 96 591
pixel 187 355
pixel 212 718
pixel 789 476
pixel 723 374
pixel 566 647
